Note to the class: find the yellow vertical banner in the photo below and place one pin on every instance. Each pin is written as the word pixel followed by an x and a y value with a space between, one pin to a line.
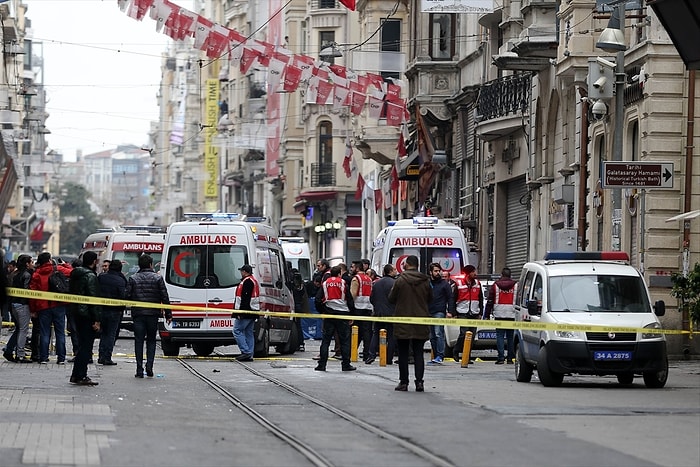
pixel 211 152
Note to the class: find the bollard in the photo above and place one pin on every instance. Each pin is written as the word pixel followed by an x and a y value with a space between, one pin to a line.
pixel 353 344
pixel 466 349
pixel 382 347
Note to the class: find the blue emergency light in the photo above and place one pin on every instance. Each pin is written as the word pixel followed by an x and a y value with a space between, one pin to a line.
pixel 586 256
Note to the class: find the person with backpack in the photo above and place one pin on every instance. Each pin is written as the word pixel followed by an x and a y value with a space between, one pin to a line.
pixel 49 312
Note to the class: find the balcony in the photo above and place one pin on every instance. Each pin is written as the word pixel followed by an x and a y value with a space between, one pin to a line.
pixel 323 174
pixel 501 106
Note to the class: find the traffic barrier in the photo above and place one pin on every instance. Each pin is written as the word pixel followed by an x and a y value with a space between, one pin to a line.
pixel 353 343
pixel 382 347
pixel 495 324
pixel 466 349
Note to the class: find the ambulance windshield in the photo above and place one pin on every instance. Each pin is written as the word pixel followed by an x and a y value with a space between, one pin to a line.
pixel 130 261
pixel 205 266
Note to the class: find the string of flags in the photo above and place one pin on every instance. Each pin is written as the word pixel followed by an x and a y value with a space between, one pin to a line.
pixel 325 83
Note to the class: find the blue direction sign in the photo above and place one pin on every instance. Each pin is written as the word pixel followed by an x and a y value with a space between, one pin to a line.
pixel 622 174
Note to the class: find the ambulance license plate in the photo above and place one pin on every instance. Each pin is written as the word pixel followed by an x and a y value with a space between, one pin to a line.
pixel 602 355
pixel 187 323
pixel 486 335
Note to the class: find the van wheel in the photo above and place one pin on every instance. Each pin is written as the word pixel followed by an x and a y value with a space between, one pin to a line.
pixel 292 344
pixel 523 370
pixel 203 350
pixel 262 346
pixel 656 379
pixel 625 379
pixel 548 378
pixel 169 348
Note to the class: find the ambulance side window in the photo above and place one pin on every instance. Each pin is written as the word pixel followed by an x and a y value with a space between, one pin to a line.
pixel 278 268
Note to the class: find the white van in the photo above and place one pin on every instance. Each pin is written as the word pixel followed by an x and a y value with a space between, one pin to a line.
pixel 200 267
pixel 570 290
pixel 297 252
pixel 126 244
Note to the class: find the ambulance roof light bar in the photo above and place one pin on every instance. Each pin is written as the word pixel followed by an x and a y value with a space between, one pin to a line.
pixel 144 228
pixel 587 256
pixel 425 222
pixel 215 216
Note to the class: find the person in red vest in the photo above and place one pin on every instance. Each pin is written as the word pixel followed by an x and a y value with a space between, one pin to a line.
pixel 361 289
pixel 500 303
pixel 334 298
pixel 469 305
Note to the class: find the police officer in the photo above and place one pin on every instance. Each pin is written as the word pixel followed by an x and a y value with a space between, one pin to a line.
pixel 334 298
pixel 500 303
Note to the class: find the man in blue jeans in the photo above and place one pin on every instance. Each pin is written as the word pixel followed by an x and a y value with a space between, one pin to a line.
pixel 500 303
pixel 438 307
pixel 247 298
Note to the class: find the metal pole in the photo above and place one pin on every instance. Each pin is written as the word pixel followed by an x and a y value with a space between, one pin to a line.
pixel 583 175
pixel 617 136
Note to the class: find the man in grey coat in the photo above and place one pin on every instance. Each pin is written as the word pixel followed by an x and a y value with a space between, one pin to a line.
pixel 380 302
pixel 147 286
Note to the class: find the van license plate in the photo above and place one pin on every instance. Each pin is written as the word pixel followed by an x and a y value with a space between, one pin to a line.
pixel 187 323
pixel 486 335
pixel 612 355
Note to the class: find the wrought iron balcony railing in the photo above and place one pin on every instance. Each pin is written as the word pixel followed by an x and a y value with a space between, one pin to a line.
pixel 323 174
pixel 504 96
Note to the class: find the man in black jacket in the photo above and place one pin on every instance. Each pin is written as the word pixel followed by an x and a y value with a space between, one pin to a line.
pixel 441 304
pixel 86 317
pixel 147 286
pixel 112 285
pixel 380 302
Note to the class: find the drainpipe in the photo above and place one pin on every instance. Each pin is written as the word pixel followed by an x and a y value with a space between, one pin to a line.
pixel 583 171
pixel 685 318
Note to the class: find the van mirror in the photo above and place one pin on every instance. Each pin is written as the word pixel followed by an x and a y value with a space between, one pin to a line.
pixel 533 308
pixel 660 308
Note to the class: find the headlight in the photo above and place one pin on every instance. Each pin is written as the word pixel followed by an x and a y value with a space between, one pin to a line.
pixel 652 335
pixel 569 335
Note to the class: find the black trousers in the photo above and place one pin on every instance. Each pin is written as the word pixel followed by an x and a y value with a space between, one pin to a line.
pixel 406 347
pixel 330 326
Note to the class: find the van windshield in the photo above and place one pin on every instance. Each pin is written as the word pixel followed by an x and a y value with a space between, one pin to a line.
pixel 130 261
pixel 593 293
pixel 205 266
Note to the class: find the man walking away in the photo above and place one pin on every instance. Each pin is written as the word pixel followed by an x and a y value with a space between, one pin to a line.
pixel 410 295
pixel 86 317
pixel 382 308
pixel 50 313
pixel 334 298
pixel 247 298
pixel 500 303
pixel 112 285
pixel 438 307
pixel 147 286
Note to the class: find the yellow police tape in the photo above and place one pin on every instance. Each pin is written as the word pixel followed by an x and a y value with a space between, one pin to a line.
pixel 495 324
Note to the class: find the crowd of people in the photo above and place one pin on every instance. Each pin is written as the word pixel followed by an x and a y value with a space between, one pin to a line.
pixel 84 321
pixel 360 292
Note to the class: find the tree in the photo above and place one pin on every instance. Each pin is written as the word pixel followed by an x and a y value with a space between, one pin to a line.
pixel 78 220
pixel 687 290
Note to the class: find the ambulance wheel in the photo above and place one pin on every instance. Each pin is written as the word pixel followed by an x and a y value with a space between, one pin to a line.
pixel 656 379
pixel 292 344
pixel 523 370
pixel 548 378
pixel 169 349
pixel 262 346
pixel 203 350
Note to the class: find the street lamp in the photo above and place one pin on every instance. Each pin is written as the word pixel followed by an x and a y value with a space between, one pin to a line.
pixel 613 40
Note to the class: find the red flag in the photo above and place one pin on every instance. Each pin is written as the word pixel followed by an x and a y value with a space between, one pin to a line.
pixel 394 178
pixel 394 114
pixel 350 4
pixel 378 199
pixel 247 60
pixel 347 158
pixel 139 8
pixel 358 102
pixel 292 78
pixel 201 32
pixel 401 146
pixel 324 91
pixel 37 234
pixel 360 187
pixel 339 70
pixel 393 93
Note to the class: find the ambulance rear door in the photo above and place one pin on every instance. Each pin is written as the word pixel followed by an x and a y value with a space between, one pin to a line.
pixel 436 243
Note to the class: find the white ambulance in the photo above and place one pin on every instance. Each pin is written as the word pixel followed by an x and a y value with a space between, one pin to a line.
pixel 297 252
pixel 126 244
pixel 201 262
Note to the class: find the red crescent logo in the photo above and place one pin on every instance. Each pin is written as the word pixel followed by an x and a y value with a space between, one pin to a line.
pixel 176 264
pixel 294 250
pixel 400 263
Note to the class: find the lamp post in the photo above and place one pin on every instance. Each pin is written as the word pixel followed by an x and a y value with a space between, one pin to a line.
pixel 612 39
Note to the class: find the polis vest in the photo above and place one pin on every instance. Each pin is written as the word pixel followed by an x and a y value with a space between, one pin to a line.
pixel 468 297
pixel 334 294
pixel 503 303
pixel 363 291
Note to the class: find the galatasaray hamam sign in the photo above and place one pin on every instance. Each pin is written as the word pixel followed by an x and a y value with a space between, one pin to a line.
pixel 457 6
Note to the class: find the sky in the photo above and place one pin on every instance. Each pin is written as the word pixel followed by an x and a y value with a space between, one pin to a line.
pixel 101 73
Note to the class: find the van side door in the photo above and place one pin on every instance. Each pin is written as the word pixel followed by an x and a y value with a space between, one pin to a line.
pixel 528 309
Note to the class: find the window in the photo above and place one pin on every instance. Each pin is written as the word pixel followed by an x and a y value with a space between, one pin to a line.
pixel 326 39
pixel 390 36
pixel 325 143
pixel 450 259
pixel 442 40
pixel 209 266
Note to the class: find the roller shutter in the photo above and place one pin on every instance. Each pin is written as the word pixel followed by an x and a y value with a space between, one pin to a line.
pixel 516 226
